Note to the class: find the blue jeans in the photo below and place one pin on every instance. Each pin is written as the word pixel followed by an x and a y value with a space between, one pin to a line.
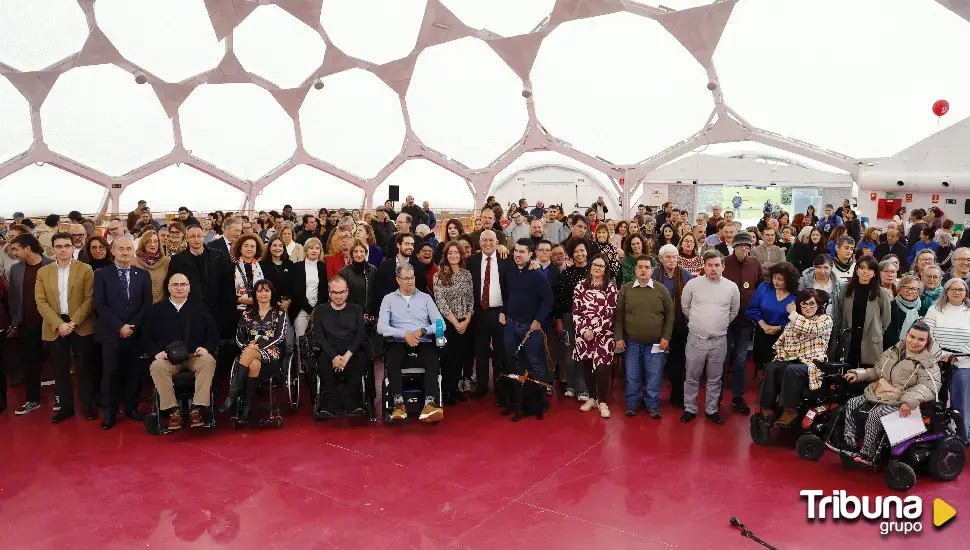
pixel 641 364
pixel 535 353
pixel 960 398
pixel 737 356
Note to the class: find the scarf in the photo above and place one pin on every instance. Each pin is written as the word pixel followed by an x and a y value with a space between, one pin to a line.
pixel 150 259
pixel 843 267
pixel 912 313
pixel 933 294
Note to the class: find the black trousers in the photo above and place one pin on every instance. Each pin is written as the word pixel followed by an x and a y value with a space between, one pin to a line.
pixel 121 375
pixel 597 381
pixel 783 382
pixel 62 350
pixel 427 359
pixel 676 367
pixel 336 397
pixel 489 337
pixel 763 349
pixel 33 350
pixel 456 364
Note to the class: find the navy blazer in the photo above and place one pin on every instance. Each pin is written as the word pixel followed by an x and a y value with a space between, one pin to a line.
pixel 474 265
pixel 110 305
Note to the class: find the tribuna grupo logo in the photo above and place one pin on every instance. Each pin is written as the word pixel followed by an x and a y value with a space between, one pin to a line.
pixel 895 514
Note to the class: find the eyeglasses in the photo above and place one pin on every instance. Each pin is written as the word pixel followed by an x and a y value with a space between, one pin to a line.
pixel 338 292
pixel 961 259
pixel 910 288
pixel 601 266
pixel 933 277
pixel 178 285
pixel 957 290
pixel 406 278
pixel 75 235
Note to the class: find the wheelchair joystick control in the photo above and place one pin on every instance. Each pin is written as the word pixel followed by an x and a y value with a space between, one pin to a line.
pixel 439 333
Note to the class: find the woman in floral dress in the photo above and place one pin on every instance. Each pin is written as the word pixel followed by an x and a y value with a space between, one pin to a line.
pixel 594 304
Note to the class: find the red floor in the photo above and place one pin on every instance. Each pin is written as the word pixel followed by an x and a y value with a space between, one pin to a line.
pixel 572 480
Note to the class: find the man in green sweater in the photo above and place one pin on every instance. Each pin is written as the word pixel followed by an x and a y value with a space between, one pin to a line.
pixel 644 322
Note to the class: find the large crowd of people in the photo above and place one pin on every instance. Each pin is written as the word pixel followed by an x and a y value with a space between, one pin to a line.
pixel 533 301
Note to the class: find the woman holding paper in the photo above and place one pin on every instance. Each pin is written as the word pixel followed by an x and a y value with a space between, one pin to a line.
pixel 904 376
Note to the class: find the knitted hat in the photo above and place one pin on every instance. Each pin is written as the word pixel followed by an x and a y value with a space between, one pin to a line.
pixel 742 238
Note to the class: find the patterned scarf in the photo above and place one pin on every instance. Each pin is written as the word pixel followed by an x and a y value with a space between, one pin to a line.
pixel 912 313
pixel 150 259
pixel 933 294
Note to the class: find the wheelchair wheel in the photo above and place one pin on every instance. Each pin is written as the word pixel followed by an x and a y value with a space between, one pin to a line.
pixel 810 447
pixel 760 430
pixel 292 385
pixel 899 476
pixel 948 459
pixel 151 424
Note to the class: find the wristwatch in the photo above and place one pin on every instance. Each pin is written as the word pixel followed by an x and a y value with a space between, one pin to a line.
pixel 423 331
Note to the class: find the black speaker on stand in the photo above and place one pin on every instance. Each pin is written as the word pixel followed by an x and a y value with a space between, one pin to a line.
pixel 394 193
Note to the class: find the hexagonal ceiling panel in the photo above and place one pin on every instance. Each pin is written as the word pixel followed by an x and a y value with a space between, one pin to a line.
pixel 99 117
pixel 237 127
pixel 175 186
pixel 466 102
pixel 306 187
pixel 39 33
pixel 355 122
pixel 619 86
pixel 172 40
pixel 547 157
pixel 680 4
pixel 274 45
pixel 859 87
pixel 752 148
pixel 44 189
pixel 504 17
pixel 16 134
pixel 427 182
pixel 378 31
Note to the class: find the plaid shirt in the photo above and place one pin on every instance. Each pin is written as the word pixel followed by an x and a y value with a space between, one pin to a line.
pixel 804 338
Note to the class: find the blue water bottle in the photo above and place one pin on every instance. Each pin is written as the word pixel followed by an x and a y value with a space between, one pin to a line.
pixel 439 333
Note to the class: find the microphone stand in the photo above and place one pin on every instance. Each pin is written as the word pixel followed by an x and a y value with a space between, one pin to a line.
pixel 748 534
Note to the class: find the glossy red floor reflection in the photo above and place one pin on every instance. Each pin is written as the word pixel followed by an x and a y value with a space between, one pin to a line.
pixel 572 480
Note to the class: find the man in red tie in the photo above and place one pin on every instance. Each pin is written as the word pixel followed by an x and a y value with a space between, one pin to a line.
pixel 491 292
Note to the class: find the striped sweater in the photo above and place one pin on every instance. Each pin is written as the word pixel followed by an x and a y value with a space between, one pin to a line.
pixel 951 330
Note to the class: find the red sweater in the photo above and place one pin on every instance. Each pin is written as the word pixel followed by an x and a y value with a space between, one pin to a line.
pixel 747 277
pixel 335 262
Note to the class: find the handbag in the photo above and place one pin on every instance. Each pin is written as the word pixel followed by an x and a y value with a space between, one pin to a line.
pixel 178 350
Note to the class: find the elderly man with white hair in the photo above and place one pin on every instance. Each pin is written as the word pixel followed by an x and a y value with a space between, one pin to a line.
pixel 673 278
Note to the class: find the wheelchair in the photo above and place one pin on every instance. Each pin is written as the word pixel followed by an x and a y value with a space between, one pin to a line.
pixel 938 451
pixel 184 384
pixel 412 386
pixel 279 382
pixel 814 408
pixel 367 386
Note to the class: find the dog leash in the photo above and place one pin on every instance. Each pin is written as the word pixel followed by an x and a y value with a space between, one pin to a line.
pixel 550 366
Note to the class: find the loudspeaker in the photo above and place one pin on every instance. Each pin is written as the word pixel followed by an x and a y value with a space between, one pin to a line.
pixel 966 207
pixel 394 193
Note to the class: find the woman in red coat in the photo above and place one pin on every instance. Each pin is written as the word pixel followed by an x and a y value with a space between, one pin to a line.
pixel 594 303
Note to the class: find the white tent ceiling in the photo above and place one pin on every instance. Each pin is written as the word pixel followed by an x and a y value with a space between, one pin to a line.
pixel 621 87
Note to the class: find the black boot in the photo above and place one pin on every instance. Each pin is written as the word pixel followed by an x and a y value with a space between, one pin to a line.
pixel 517 400
pixel 236 386
pixel 247 401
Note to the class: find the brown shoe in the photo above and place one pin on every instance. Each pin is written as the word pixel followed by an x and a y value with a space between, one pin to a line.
pixel 175 420
pixel 195 418
pixel 400 412
pixel 431 413
pixel 767 413
pixel 787 417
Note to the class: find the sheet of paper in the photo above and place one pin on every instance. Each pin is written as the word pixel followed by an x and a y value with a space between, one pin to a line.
pixel 899 429
pixel 656 349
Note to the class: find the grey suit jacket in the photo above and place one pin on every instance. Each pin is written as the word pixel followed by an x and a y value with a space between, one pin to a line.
pixel 878 315
pixel 17 272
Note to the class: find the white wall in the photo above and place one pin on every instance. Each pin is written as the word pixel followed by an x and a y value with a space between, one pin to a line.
pixel 867 207
pixel 555 185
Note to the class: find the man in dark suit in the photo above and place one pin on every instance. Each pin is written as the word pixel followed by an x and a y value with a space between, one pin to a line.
pixel 210 276
pixel 231 230
pixel 122 295
pixel 25 320
pixel 489 279
pixel 386 279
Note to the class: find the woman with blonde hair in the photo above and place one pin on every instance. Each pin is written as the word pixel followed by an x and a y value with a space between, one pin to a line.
pixel 149 256
pixel 365 233
pixel 293 248
pixel 923 259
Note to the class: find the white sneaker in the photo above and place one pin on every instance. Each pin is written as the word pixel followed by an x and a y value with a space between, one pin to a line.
pixel 604 410
pixel 583 397
pixel 569 393
pixel 588 405
pixel 57 403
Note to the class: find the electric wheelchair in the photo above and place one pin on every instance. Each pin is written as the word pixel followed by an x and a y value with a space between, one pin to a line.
pixel 412 385
pixel 938 451
pixel 814 409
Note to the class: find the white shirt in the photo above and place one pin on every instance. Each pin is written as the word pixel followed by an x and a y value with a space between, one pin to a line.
pixel 63 276
pixel 77 252
pixel 178 307
pixel 494 288
pixel 636 283
pixel 312 281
